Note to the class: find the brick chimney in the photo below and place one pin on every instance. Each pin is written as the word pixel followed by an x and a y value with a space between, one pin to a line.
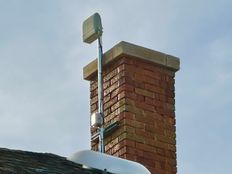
pixel 139 97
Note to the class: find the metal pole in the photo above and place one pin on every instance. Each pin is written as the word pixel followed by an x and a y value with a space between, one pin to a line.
pixel 100 96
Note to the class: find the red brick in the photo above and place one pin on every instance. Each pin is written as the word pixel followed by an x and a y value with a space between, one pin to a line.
pixel 140 95
pixel 171 100
pixel 126 87
pixel 145 106
pixel 133 109
pixel 144 133
pixel 122 151
pixel 121 95
pixel 110 75
pixel 134 123
pixel 143 92
pixel 126 115
pixel 139 77
pixel 148 100
pixel 129 157
pixel 118 104
pixel 114 93
pixel 111 88
pixel 129 143
pixel 151 81
pixel 106 85
pixel 94 100
pixel 155 89
pixel 153 75
pixel 140 98
pixel 93 108
pixel 131 95
pixel 93 85
pixel 93 93
pixel 110 103
pixel 107 112
pixel 144 147
pixel 148 73
pixel 106 98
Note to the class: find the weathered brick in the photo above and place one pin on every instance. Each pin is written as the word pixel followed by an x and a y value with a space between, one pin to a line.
pixel 143 92
pixel 121 95
pixel 110 75
pixel 93 93
pixel 129 129
pixel 94 100
pixel 152 74
pixel 144 133
pixel 140 96
pixel 107 112
pixel 134 123
pixel 126 115
pixel 144 147
pixel 145 106
pixel 106 98
pixel 155 89
pixel 144 119
pixel 131 95
pixel 166 139
pixel 151 81
pixel 93 85
pixel 129 143
pixel 122 151
pixel 114 93
pixel 126 87
pixel 133 109
pixel 93 108
pixel 149 100
pixel 122 136
pixel 111 102
pixel 122 102
pixel 106 85
pixel 135 137
pixel 111 88
pixel 121 68
pixel 139 77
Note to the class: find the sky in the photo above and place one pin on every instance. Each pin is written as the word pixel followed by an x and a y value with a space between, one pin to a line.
pixel 44 101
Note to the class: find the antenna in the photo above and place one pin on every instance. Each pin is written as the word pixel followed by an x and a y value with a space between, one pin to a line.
pixel 92 30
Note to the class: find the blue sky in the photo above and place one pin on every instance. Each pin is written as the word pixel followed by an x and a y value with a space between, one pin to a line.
pixel 44 101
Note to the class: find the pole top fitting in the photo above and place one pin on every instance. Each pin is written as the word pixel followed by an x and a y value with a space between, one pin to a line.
pixel 92 28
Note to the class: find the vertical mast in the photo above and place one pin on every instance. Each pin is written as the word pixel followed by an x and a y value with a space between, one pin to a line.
pixel 100 96
pixel 92 30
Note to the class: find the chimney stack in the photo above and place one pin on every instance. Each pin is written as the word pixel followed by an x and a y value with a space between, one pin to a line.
pixel 139 98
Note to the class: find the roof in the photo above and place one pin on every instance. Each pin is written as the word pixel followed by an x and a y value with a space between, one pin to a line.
pixel 128 49
pixel 18 162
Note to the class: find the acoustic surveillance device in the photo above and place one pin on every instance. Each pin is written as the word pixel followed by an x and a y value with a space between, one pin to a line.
pixel 92 28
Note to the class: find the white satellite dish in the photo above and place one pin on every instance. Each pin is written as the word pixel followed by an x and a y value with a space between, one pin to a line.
pixel 101 161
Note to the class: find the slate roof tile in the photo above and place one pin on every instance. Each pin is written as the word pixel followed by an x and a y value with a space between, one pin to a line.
pixel 23 162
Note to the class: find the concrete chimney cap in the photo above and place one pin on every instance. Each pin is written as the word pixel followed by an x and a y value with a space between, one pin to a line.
pixel 124 48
